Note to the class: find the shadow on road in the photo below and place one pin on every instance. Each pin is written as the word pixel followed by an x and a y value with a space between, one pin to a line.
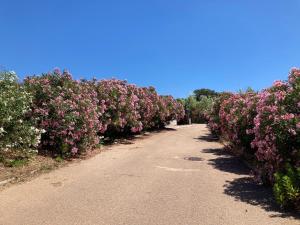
pixel 245 189
pixel 230 165
pixel 131 138
pixel 169 129
pixel 226 162
pixel 208 138
pixel 216 151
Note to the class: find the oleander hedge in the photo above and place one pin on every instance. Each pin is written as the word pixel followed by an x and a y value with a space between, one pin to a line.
pixel 266 126
pixel 55 112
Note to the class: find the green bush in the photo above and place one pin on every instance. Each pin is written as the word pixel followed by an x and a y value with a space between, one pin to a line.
pixel 197 110
pixel 287 187
pixel 16 130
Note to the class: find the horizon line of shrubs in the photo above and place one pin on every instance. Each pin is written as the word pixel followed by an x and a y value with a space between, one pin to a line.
pixel 265 128
pixel 57 113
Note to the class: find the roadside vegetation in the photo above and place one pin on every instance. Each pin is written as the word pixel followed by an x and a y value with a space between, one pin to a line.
pixel 58 117
pixel 198 105
pixel 264 128
pixel 261 127
pixel 54 116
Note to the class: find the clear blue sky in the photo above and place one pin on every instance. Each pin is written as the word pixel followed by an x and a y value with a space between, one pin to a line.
pixel 174 45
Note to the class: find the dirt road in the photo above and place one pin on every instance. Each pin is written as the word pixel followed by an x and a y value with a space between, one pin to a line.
pixel 175 177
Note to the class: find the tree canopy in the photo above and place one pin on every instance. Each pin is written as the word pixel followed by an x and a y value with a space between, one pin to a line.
pixel 204 92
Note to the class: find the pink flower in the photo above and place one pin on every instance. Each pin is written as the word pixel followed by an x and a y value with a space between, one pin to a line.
pixel 278 83
pixel 74 150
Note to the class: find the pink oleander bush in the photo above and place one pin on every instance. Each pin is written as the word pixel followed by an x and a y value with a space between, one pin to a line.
pixel 213 117
pixel 148 106
pixel 266 125
pixel 130 109
pixel 75 115
pixel 236 119
pixel 271 126
pixel 169 109
pixel 67 110
pixel 122 114
pixel 277 138
pixel 277 125
pixel 179 110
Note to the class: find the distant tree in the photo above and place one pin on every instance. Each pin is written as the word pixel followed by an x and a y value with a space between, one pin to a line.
pixel 196 110
pixel 204 92
pixel 247 90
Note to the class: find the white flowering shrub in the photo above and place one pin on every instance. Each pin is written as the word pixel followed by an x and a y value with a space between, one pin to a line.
pixel 16 130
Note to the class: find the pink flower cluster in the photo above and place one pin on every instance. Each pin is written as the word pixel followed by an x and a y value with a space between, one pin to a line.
pixel 276 136
pixel 67 110
pixel 131 108
pixel 213 116
pixel 75 113
pixel 264 124
pixel 236 118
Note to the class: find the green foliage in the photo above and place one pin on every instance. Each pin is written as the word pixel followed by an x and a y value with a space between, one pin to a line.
pixel 199 109
pixel 287 187
pixel 11 160
pixel 18 162
pixel 59 159
pixel 16 130
pixel 199 105
pixel 204 92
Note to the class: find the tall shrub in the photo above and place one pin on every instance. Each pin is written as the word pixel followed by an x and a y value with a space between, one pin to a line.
pixel 16 129
pixel 213 116
pixel 122 104
pixel 277 138
pixel 67 110
pixel 236 119
pixel 148 106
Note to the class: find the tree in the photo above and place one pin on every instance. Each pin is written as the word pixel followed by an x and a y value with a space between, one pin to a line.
pixel 204 92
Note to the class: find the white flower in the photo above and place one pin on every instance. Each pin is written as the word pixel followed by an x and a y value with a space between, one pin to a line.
pixel 2 130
